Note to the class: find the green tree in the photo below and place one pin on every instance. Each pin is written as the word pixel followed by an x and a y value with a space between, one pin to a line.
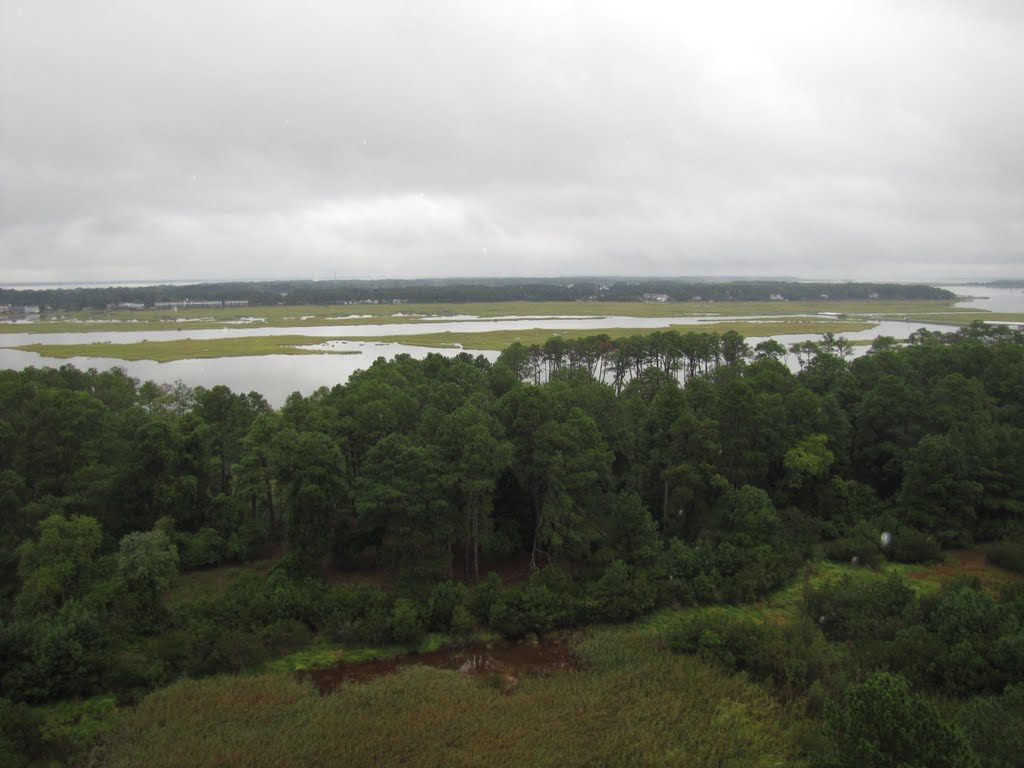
pixel 475 453
pixel 147 561
pixel 402 491
pixel 59 564
pixel 882 724
pixel 312 473
pixel 569 466
pixel 938 492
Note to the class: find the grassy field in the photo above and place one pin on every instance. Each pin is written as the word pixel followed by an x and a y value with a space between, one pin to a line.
pixel 187 349
pixel 965 317
pixel 307 316
pixel 635 704
pixel 498 340
pixel 211 583
pixel 183 349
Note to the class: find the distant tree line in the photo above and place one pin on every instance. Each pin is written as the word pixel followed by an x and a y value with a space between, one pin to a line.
pixel 434 291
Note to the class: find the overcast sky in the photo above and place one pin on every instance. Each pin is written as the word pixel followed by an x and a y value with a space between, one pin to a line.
pixel 866 139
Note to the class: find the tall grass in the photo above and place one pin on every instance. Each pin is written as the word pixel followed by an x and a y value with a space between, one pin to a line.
pixel 636 704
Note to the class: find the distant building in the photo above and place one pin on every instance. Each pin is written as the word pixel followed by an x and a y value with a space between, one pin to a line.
pixel 191 304
pixel 873 295
pixel 132 305
pixel 656 297
pixel 777 297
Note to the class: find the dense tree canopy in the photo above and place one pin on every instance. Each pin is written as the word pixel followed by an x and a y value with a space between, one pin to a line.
pixel 666 469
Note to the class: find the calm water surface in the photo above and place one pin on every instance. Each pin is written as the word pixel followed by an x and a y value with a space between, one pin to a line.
pixel 277 376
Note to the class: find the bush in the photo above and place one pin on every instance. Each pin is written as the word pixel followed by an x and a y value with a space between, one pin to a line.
pixel 910 545
pixel 285 636
pixel 993 725
pixel 482 596
pixel 862 608
pixel 619 594
pixel 53 656
pixel 882 724
pixel 686 575
pixel 792 656
pixel 1007 554
pixel 404 623
pixel 21 741
pixel 204 548
pixel 533 608
pixel 855 550
pixel 444 597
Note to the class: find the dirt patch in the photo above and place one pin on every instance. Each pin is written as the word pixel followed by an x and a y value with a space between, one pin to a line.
pixel 966 562
pixel 960 561
pixel 505 661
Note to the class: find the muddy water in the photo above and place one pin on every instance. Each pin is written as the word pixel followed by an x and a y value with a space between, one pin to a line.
pixel 500 659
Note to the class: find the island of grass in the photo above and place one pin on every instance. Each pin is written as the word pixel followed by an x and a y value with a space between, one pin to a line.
pixel 251 346
pixel 187 349
pixel 87 321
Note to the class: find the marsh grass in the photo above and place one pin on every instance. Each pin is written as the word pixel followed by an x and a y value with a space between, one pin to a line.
pixel 210 583
pixel 349 314
pixel 962 317
pixel 183 349
pixel 498 340
pixel 635 704
pixel 79 723
pixel 188 349
pixel 321 656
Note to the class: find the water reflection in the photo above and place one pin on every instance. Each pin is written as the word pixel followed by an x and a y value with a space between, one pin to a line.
pixel 277 376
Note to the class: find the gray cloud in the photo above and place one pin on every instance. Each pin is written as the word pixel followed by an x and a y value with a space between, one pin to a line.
pixel 863 139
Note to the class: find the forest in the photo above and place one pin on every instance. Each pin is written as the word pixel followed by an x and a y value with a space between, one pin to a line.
pixel 623 476
pixel 302 292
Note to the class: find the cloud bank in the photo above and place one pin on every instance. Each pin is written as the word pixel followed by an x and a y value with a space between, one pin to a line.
pixel 858 139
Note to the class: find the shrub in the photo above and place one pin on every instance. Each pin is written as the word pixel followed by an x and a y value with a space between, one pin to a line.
pixel 910 545
pixel 532 608
pixel 792 656
pixel 444 597
pixel 482 596
pixel 882 724
pixel 204 548
pixel 619 594
pixel 404 623
pixel 993 725
pixel 686 575
pixel 1007 554
pixel 855 609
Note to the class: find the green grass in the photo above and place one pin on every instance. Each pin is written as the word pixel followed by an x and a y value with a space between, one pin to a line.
pixel 307 316
pixel 635 704
pixel 783 604
pixel 323 655
pixel 79 722
pixel 198 586
pixel 498 340
pixel 184 349
pixel 187 349
pixel 965 317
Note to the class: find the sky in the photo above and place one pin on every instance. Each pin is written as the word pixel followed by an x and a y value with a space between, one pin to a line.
pixel 246 139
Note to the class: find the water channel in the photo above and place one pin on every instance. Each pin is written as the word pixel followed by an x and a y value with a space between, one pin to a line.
pixel 277 376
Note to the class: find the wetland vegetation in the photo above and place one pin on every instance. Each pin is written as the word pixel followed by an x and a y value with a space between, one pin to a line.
pixel 748 565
